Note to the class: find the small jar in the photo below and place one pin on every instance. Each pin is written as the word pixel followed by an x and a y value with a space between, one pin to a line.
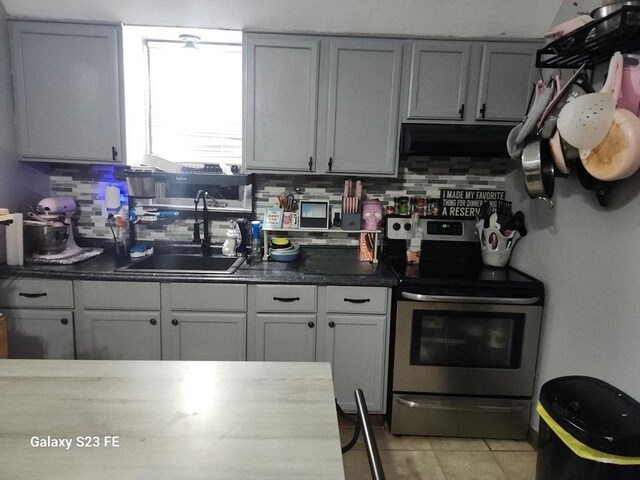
pixel 403 206
pixel 420 206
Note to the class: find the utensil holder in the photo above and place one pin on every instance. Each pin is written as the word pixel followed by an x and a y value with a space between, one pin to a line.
pixel 496 251
pixel 351 221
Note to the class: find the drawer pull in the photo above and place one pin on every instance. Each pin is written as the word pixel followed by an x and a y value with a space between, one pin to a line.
pixel 332 324
pixel 311 324
pixel 174 322
pixel 357 300
pixel 153 321
pixel 286 299
pixel 33 295
pixel 64 321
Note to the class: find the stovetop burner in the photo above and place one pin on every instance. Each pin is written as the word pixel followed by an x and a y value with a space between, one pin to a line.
pixel 453 266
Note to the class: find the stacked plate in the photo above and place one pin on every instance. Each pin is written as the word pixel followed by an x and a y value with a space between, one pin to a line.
pixel 282 250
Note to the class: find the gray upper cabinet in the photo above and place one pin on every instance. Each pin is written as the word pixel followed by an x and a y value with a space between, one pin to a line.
pixel 68 91
pixel 456 81
pixel 364 96
pixel 506 79
pixel 281 97
pixel 321 104
pixel 438 80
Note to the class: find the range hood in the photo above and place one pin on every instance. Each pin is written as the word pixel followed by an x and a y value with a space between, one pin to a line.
pixel 454 140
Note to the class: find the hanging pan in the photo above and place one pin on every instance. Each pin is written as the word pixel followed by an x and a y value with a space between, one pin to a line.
pixel 537 165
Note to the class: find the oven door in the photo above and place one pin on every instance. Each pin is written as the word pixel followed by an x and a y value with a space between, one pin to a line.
pixel 462 348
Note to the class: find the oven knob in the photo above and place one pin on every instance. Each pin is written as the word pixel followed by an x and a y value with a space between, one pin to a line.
pixel 396 226
pixel 407 226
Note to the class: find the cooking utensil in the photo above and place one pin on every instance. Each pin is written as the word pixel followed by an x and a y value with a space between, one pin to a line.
pixel 516 223
pixel 618 155
pixel 537 166
pixel 588 182
pixel 577 85
pixel 585 121
pixel 534 116
pixel 514 149
pixel 630 88
pixel 567 27
pixel 612 23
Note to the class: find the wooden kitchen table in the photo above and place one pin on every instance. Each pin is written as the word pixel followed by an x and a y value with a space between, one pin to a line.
pixel 77 419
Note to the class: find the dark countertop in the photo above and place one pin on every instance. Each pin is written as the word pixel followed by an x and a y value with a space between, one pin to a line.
pixel 316 265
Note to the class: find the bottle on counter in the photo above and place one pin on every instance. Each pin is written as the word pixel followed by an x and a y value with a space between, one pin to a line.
pixel 256 247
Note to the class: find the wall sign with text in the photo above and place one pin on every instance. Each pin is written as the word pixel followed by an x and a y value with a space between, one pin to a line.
pixel 466 203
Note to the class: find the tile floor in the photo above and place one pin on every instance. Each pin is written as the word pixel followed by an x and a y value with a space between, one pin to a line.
pixel 439 458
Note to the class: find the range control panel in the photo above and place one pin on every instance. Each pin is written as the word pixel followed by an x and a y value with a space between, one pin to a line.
pixel 453 230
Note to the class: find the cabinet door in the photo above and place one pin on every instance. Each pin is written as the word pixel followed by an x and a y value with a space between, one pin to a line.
pixel 281 97
pixel 204 336
pixel 355 346
pixel 364 91
pixel 284 338
pixel 45 334
pixel 118 335
pixel 67 82
pixel 506 79
pixel 438 80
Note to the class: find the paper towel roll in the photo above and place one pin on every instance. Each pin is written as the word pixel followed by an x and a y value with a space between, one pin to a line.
pixel 111 197
pixel 15 241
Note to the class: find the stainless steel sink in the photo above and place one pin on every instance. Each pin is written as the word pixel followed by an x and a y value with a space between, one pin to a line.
pixel 182 263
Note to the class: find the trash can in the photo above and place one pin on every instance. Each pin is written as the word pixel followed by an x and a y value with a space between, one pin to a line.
pixel 588 430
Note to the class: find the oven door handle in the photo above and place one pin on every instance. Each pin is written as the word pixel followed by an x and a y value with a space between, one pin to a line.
pixel 419 297
pixel 412 402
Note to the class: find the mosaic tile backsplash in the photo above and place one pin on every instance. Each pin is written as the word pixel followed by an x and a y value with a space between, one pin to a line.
pixel 418 176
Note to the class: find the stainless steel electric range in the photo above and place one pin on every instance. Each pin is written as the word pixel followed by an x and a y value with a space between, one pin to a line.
pixel 466 336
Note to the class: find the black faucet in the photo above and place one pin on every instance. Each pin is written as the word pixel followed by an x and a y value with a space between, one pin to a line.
pixel 205 243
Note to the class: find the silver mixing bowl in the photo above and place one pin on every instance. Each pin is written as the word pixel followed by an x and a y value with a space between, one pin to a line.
pixel 45 239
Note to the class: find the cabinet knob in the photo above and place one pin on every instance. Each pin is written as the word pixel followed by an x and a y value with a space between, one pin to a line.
pixel 483 110
pixel 64 321
pixel 461 112
pixel 153 321
pixel 311 324
pixel 114 154
pixel 310 164
pixel 330 163
pixel 332 324
pixel 174 322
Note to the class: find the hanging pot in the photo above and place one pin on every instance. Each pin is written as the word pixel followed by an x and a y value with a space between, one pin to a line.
pixel 537 165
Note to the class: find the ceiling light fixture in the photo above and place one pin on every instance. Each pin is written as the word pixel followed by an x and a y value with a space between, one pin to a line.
pixel 189 40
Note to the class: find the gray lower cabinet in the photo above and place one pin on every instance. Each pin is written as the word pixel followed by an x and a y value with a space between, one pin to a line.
pixel 321 104
pixel 118 320
pixel 282 324
pixel 45 334
pixel 458 81
pixel 346 326
pixel 354 324
pixel 68 91
pixel 204 321
pixel 40 318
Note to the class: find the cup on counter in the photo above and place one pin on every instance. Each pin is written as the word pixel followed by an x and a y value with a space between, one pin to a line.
pixel 286 220
pixel 294 220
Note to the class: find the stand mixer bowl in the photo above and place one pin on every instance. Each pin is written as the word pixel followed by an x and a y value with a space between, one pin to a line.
pixel 46 239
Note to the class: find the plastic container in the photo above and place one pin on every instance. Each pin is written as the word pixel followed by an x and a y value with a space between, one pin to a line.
pixel 496 248
pixel 588 430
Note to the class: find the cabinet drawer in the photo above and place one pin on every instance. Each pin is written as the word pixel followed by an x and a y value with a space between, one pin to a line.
pixel 286 298
pixel 357 299
pixel 23 293
pixel 118 295
pixel 208 297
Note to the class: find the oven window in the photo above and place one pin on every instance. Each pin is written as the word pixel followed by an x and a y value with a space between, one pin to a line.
pixel 466 339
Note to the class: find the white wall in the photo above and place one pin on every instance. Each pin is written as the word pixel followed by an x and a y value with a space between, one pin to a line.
pixel 589 260
pixel 19 182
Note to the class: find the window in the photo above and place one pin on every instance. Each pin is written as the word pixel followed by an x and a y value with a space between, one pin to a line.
pixel 195 101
